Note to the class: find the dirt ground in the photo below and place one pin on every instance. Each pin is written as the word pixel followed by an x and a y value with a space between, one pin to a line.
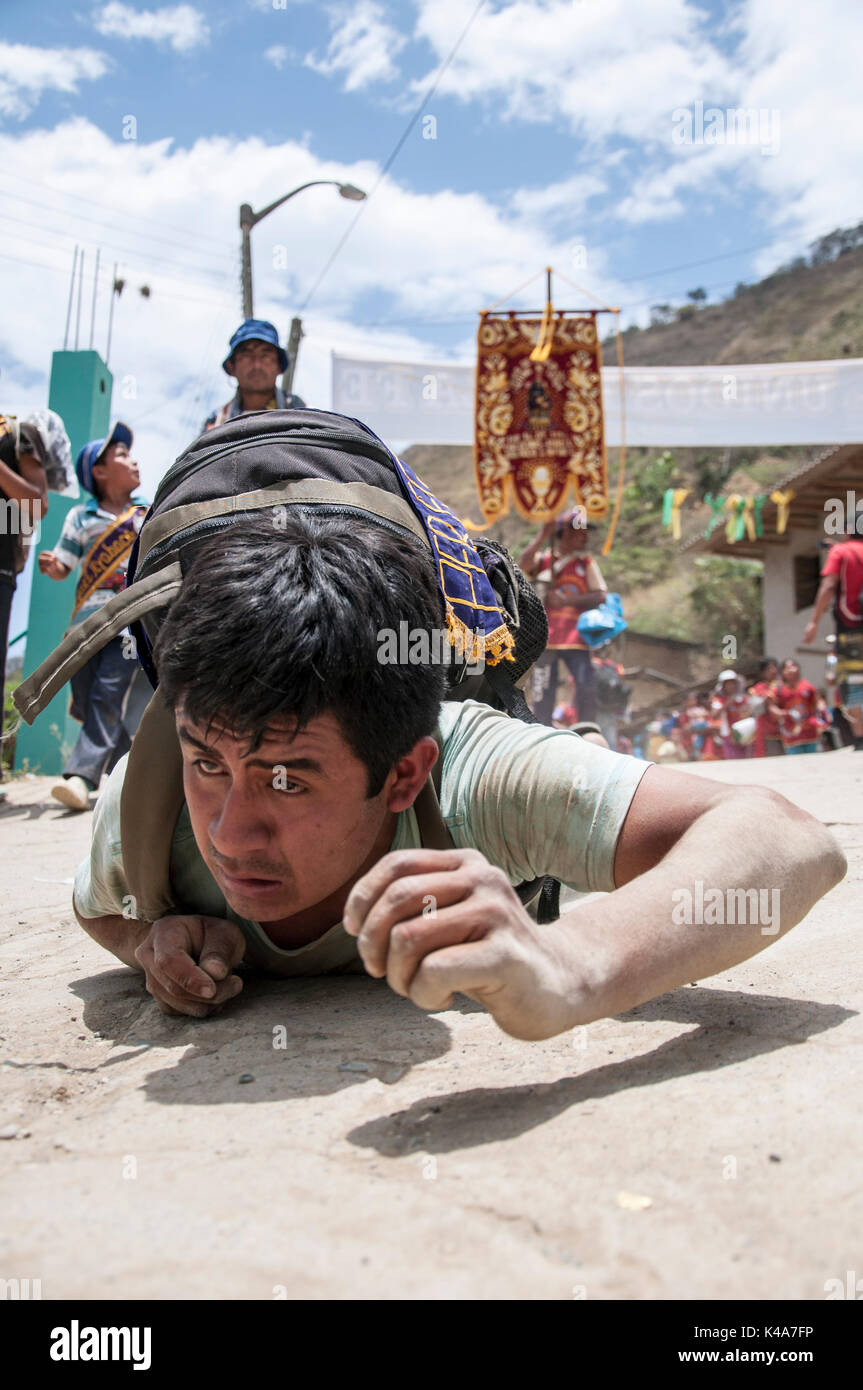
pixel 705 1145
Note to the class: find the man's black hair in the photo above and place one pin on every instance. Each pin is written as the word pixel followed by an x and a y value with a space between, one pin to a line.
pixel 275 621
pixel 765 662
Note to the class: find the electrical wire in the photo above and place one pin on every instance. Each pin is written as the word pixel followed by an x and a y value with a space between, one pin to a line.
pixel 104 222
pixel 124 253
pixel 392 157
pixel 64 270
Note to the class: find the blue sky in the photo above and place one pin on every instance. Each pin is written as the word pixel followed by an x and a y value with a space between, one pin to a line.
pixel 556 132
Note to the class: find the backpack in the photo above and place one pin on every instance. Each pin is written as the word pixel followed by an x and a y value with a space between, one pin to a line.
pixel 309 458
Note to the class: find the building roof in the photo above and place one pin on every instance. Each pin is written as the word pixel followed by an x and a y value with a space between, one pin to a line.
pixel 833 473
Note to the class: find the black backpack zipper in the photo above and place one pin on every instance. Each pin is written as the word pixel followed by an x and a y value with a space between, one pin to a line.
pixel 368 447
pixel 212 525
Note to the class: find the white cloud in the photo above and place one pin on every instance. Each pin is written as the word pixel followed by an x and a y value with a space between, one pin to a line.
pixel 182 26
pixel 567 198
pixel 26 72
pixel 614 74
pixel 809 72
pixel 605 69
pixel 362 46
pixel 278 55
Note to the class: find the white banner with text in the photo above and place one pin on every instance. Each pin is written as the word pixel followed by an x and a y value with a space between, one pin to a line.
pixel 708 407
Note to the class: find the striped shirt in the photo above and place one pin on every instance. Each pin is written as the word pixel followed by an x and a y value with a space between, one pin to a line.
pixel 81 529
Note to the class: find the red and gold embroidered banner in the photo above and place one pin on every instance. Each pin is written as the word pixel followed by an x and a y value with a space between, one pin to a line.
pixel 539 427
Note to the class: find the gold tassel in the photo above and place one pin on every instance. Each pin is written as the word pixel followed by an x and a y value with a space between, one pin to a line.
pixel 731 523
pixel 678 498
pixel 783 501
pixel 542 351
pixel 621 472
pixel 496 646
pixel 749 517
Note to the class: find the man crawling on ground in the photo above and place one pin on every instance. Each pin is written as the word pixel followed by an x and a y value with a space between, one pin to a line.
pixel 297 849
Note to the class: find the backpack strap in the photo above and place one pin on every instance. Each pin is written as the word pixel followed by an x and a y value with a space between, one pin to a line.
pixel 85 639
pixel 430 821
pixel 546 889
pixel 432 826
pixel 150 805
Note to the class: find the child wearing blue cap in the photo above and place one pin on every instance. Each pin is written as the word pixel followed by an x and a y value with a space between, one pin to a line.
pixel 255 359
pixel 99 536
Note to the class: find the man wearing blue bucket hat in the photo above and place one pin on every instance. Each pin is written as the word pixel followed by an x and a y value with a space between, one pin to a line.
pixel 98 536
pixel 255 359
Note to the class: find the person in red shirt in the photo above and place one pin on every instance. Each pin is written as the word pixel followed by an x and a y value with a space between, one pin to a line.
pixel 768 737
pixel 570 583
pixel 842 586
pixel 797 709
pixel 693 722
pixel 729 704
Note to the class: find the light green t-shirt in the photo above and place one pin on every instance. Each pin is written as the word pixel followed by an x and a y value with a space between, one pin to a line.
pixel 533 800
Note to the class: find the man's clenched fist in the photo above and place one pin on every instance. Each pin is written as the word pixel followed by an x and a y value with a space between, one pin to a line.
pixel 188 963
pixel 437 922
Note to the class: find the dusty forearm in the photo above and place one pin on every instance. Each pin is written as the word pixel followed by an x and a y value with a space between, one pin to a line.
pixel 119 935
pixel 753 856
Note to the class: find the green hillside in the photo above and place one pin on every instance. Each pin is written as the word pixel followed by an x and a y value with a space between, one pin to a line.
pixel 808 311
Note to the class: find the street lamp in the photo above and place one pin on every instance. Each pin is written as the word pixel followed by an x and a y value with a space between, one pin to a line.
pixel 250 219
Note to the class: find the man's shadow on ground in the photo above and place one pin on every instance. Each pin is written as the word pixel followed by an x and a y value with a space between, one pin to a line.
pixel 730 1027
pixel 293 1038
pixel 315 1037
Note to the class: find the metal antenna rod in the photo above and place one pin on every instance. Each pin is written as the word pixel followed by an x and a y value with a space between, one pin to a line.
pixel 71 297
pixel 80 284
pixel 95 292
pixel 111 312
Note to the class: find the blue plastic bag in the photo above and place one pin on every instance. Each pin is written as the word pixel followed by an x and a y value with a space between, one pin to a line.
pixel 598 626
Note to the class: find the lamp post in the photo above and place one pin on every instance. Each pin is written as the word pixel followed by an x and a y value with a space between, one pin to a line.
pixel 250 219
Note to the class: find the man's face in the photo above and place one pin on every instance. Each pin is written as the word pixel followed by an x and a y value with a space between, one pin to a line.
pixel 118 471
pixel 770 672
pixel 790 673
pixel 255 365
pixel 286 826
pixel 573 538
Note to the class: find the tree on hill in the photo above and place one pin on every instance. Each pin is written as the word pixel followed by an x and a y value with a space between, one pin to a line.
pixel 837 243
pixel 697 296
pixel 726 600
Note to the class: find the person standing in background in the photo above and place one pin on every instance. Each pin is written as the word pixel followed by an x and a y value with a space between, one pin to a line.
pixel 730 703
pixel 255 360
pixel 23 503
pixel 99 537
pixel 842 585
pixel 797 709
pixel 768 737
pixel 569 583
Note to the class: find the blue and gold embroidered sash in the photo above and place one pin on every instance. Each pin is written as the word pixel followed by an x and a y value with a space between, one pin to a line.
pixel 475 624
pixel 106 554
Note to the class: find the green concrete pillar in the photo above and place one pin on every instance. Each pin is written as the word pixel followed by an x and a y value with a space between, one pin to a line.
pixel 80 392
